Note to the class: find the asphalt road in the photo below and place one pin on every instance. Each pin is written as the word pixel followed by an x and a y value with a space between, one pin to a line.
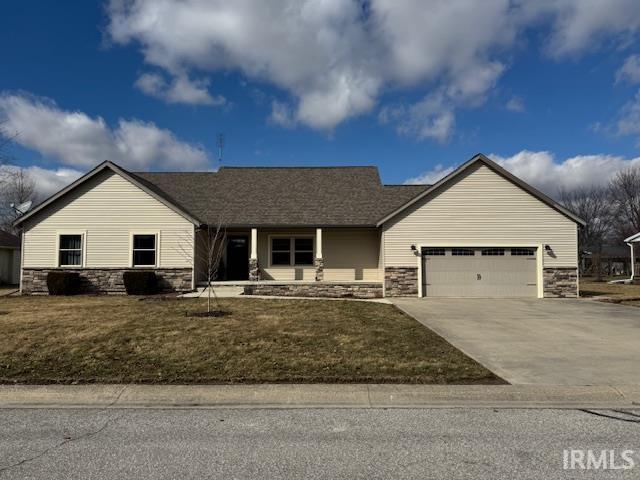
pixel 309 443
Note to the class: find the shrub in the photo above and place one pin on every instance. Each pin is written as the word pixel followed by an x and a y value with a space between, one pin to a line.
pixel 140 282
pixel 63 283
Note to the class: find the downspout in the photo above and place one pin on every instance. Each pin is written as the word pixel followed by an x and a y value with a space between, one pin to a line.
pixel 633 263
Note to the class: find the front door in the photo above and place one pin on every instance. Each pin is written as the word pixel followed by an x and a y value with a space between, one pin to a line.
pixel 238 257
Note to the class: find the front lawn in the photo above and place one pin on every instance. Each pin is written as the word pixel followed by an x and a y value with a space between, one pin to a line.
pixel 616 292
pixel 129 339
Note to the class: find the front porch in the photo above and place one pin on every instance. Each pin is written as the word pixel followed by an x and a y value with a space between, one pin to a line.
pixel 318 262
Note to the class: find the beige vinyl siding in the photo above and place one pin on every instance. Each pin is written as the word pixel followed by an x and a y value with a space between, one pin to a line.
pixel 483 207
pixel 107 209
pixel 351 254
pixel 348 255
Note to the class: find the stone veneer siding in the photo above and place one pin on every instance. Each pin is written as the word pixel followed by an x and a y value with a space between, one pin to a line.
pixel 318 289
pixel 106 280
pixel 560 282
pixel 401 281
pixel 254 270
pixel 319 264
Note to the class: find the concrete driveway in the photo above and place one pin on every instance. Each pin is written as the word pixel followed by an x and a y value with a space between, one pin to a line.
pixel 531 341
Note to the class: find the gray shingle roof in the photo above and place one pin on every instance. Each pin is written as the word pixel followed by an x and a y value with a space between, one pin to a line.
pixel 282 196
pixel 9 240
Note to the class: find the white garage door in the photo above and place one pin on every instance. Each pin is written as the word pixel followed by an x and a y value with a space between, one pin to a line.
pixel 479 272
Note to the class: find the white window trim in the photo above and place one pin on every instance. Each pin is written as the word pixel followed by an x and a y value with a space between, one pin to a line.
pixel 292 252
pixel 83 246
pixel 157 235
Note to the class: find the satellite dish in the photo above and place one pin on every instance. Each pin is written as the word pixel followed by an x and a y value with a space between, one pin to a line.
pixel 23 207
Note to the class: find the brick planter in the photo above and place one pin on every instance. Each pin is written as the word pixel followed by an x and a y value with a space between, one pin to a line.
pixel 401 281
pixel 106 280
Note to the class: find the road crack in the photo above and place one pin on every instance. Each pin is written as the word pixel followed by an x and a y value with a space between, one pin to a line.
pixel 66 441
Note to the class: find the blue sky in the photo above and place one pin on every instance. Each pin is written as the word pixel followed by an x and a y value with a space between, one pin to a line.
pixel 548 88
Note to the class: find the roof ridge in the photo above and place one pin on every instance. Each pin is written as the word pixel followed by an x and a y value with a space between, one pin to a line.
pixel 269 167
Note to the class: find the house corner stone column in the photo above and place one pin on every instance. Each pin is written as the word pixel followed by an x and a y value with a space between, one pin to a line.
pixel 560 282
pixel 401 281
pixel 254 269
pixel 318 262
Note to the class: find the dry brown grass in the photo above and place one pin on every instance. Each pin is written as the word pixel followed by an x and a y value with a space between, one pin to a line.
pixel 596 289
pixel 127 339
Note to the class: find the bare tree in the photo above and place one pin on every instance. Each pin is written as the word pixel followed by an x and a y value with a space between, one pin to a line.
pixel 593 205
pixel 16 187
pixel 207 249
pixel 625 197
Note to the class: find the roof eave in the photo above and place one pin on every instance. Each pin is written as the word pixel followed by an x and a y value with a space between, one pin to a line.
pixel 633 238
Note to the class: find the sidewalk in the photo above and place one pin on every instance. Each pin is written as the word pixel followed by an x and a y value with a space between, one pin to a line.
pixel 318 396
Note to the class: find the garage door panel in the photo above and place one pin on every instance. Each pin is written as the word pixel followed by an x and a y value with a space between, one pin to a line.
pixel 479 275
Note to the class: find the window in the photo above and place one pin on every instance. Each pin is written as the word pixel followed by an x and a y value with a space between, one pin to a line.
pixel 70 251
pixel 493 252
pixel 463 252
pixel 280 251
pixel 529 252
pixel 292 251
pixel 433 251
pixel 144 250
pixel 303 251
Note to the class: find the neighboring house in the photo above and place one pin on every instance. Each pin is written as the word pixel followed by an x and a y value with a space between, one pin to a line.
pixel 329 231
pixel 9 259
pixel 633 241
pixel 614 260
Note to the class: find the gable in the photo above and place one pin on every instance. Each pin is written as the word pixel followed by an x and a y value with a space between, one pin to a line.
pixel 480 206
pixel 105 198
pixel 83 181
pixel 498 170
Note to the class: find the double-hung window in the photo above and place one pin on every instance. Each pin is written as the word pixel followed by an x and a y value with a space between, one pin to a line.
pixel 303 251
pixel 144 250
pixel 291 251
pixel 70 250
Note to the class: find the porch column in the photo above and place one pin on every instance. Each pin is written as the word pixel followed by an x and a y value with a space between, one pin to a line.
pixel 319 262
pixel 254 272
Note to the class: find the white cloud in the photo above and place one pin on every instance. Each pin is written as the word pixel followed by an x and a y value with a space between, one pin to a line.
pixel 515 104
pixel 78 140
pixel 629 117
pixel 281 114
pixel 431 118
pixel 582 25
pixel 431 176
pixel 180 90
pixel 47 181
pixel 630 70
pixel 542 170
pixel 336 57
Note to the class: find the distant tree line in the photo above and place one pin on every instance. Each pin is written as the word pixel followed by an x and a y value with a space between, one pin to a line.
pixel 612 213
